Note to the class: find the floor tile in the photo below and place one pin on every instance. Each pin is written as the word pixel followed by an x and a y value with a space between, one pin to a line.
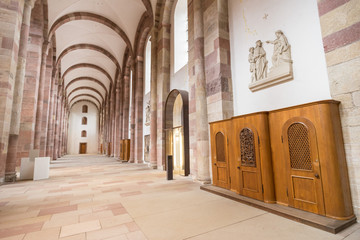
pixel 267 226
pixel 47 234
pixel 7 232
pixel 120 201
pixel 106 233
pixel 79 228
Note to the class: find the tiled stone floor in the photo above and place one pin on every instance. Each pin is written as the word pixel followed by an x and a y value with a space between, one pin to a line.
pixel 94 197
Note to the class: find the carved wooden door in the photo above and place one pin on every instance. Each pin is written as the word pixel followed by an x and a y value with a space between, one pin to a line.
pixel 303 167
pixel 219 152
pixel 249 164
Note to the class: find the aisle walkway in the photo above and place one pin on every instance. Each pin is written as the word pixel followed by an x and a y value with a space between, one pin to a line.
pixel 94 197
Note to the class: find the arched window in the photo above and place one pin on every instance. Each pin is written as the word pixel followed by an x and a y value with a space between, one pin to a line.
pixel 84 121
pixel 147 66
pixel 83 133
pixel 180 35
pixel 84 109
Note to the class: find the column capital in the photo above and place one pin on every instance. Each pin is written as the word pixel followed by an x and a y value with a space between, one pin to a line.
pixel 46 47
pixel 30 3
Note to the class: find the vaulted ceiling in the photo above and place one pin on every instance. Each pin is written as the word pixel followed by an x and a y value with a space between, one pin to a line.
pixel 91 38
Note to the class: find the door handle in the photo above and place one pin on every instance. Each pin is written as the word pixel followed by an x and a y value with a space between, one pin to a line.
pixel 238 168
pixel 215 164
pixel 317 175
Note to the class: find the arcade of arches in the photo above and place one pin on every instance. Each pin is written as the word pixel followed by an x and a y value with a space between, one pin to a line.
pixel 99 77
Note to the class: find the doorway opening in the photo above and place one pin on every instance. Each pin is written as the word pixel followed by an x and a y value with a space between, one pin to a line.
pixel 82 148
pixel 177 131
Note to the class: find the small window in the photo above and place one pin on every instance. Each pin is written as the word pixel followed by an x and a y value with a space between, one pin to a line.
pixel 84 108
pixel 83 133
pixel 84 121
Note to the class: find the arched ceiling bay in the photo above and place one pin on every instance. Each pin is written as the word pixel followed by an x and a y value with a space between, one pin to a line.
pixel 91 39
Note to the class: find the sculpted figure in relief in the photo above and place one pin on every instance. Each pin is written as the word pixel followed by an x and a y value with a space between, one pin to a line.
pixel 252 64
pixel 260 61
pixel 281 49
pixel 147 110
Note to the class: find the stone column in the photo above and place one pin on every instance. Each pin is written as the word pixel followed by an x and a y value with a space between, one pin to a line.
pixel 117 119
pixel 111 119
pixel 163 79
pixel 40 101
pixel 121 113
pixel 126 101
pixel 61 127
pixel 202 128
pixel 153 102
pixel 132 119
pixel 57 125
pixel 51 117
pixel 139 109
pixel 10 174
pixel 46 104
pixel 217 60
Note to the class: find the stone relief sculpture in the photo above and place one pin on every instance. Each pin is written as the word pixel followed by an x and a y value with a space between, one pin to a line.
pixel 281 69
pixel 147 111
pixel 281 49
pixel 260 61
pixel 252 64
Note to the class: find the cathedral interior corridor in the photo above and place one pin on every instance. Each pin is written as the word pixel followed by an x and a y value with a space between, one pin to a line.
pixel 121 201
pixel 252 105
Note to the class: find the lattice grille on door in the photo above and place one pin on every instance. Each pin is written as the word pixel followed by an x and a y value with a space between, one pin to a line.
pixel 299 147
pixel 247 147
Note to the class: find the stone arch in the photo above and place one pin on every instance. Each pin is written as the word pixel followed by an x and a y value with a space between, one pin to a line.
pixel 142 33
pixel 168 122
pixel 84 95
pixel 148 7
pixel 87 78
pixel 86 88
pixel 84 100
pixel 89 65
pixel 89 47
pixel 91 17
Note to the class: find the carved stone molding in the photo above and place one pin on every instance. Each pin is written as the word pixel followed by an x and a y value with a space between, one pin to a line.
pixel 284 73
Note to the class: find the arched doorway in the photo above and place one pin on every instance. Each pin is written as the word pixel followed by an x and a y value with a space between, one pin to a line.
pixel 177 131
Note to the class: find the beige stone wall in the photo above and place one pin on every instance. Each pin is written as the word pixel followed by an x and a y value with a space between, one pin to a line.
pixel 340 24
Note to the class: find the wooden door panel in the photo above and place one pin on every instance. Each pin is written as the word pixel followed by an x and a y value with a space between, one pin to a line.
pixel 222 175
pixel 303 168
pixel 219 152
pixel 304 189
pixel 249 162
pixel 250 181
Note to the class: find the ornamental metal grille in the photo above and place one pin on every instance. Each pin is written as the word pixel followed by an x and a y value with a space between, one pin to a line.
pixel 247 147
pixel 299 147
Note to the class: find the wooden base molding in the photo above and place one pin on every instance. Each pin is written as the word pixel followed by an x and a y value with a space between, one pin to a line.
pixel 314 220
pixel 293 156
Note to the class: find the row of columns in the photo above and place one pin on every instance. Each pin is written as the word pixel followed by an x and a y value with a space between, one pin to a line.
pixel 39 116
pixel 121 113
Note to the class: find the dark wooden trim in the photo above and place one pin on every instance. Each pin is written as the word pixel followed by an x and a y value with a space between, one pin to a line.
pixel 169 105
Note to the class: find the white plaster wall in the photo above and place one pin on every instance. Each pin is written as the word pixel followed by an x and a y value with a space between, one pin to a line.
pixel 251 20
pixel 75 128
